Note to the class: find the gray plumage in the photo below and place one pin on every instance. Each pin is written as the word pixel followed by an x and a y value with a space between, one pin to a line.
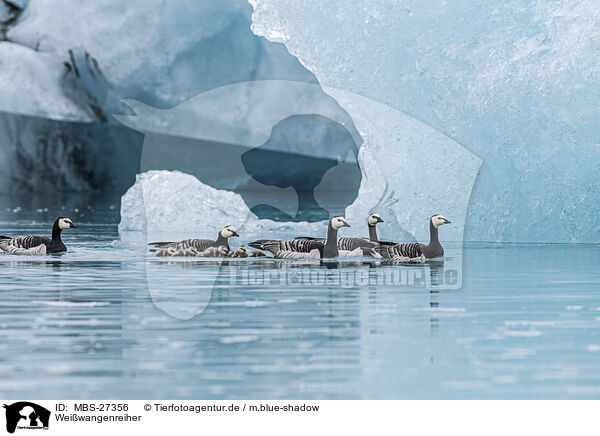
pixel 293 249
pixel 349 247
pixel 360 246
pixel 414 250
pixel 305 248
pixel 407 250
pixel 199 245
pixel 38 245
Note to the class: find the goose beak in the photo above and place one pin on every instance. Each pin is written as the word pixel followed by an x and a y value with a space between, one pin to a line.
pixel 235 234
pixel 73 226
pixel 380 220
pixel 347 225
pixel 447 221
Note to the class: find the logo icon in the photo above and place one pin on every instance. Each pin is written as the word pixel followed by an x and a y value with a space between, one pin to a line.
pixel 26 415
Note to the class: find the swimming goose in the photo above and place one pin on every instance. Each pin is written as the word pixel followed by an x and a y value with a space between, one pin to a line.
pixel 308 248
pixel 349 247
pixel 414 250
pixel 200 245
pixel 38 245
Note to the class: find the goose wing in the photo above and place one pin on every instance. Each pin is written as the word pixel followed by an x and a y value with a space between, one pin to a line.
pixel 24 245
pixel 310 238
pixel 27 241
pixel 351 244
pixel 345 243
pixel 294 245
pixel 390 250
pixel 352 247
pixel 197 244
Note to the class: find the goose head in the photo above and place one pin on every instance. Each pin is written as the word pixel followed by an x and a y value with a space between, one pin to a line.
pixel 337 222
pixel 438 220
pixel 65 223
pixel 228 232
pixel 373 219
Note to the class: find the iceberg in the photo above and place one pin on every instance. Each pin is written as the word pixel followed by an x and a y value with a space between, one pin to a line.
pixel 172 200
pixel 174 204
pixel 31 85
pixel 502 96
pixel 66 67
pixel 514 83
pixel 269 139
pixel 161 53
pixel 53 125
pixel 410 172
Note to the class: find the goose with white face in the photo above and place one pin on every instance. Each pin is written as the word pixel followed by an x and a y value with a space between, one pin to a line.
pixel 438 220
pixel 228 232
pixel 337 222
pixel 66 223
pixel 374 218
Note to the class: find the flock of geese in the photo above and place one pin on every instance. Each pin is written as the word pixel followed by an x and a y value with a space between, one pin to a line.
pixel 304 247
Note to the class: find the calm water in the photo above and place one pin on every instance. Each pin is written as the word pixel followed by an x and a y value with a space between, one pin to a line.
pixel 89 324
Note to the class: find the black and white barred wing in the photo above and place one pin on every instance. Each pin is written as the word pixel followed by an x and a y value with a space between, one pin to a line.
pixel 310 238
pixel 24 245
pixel 196 244
pixel 302 245
pixel 351 244
pixel 292 246
pixel 350 247
pixel 28 241
pixel 408 250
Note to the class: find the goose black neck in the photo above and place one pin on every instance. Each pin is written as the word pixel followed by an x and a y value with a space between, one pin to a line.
pixel 56 231
pixel 222 240
pixel 433 235
pixel 373 233
pixel 331 236
pixel 331 249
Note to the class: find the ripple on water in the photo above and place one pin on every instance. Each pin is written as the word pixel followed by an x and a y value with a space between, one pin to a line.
pixel 90 320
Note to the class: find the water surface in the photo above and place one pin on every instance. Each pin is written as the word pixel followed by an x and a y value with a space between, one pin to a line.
pixel 88 324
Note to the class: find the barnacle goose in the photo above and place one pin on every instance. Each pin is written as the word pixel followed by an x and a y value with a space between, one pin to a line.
pixel 414 250
pixel 306 248
pixel 38 245
pixel 198 245
pixel 357 246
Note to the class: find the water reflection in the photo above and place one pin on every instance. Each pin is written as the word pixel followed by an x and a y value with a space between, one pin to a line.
pixel 106 321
